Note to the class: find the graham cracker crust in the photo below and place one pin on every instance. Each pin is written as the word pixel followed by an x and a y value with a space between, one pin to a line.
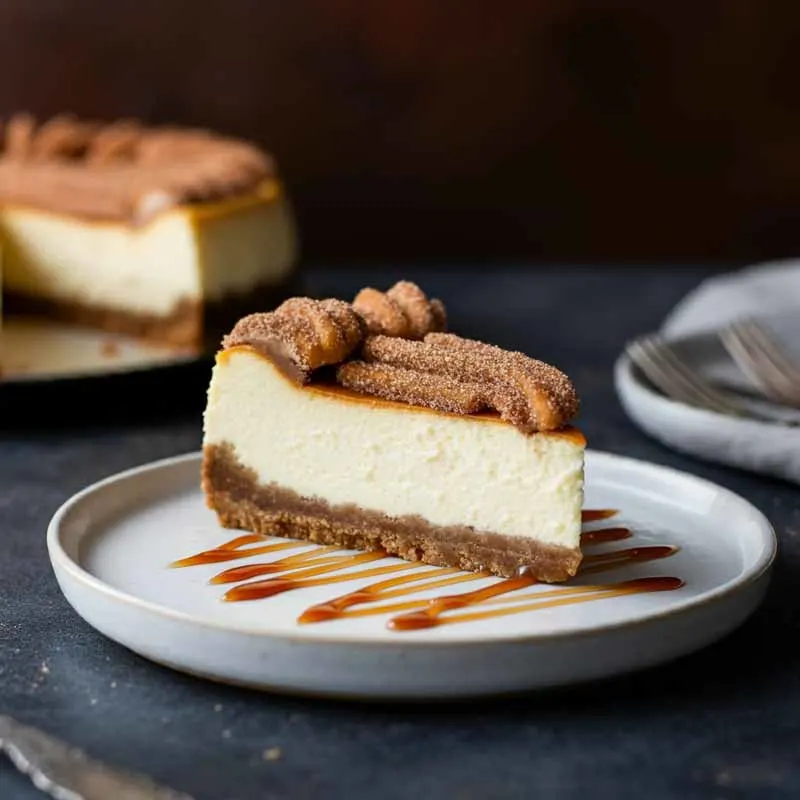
pixel 242 502
pixel 190 324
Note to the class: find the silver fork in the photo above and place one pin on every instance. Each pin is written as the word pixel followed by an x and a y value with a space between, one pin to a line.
pixel 761 359
pixel 668 372
pixel 66 773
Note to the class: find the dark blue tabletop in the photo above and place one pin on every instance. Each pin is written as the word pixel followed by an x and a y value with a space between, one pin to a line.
pixel 724 723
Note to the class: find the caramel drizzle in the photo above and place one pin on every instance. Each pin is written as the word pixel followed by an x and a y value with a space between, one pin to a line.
pixel 232 550
pixel 324 566
pixel 604 535
pixel 430 617
pixel 595 514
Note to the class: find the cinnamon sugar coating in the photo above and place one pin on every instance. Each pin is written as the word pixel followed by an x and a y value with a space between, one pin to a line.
pixel 301 333
pixel 406 386
pixel 114 142
pixel 414 361
pixel 122 170
pixel 529 394
pixel 380 313
pixel 404 310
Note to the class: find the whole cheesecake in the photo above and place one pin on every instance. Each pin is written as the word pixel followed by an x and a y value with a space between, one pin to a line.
pixel 168 234
pixel 367 426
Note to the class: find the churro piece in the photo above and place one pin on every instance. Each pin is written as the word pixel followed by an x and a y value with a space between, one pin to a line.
pixel 528 393
pixel 404 311
pixel 406 386
pixel 308 334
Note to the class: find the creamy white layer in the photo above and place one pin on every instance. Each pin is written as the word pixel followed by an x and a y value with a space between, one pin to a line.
pixel 396 459
pixel 187 253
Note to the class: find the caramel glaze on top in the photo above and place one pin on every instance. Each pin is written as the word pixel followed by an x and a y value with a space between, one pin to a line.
pixel 123 170
pixel 328 388
pixel 362 347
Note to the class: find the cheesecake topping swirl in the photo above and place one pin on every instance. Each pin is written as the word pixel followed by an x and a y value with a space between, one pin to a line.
pixel 389 382
pixel 528 393
pixel 301 334
pixel 122 170
pixel 404 310
pixel 412 361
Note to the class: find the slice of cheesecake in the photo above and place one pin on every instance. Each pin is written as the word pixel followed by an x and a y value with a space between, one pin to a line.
pixel 168 234
pixel 368 427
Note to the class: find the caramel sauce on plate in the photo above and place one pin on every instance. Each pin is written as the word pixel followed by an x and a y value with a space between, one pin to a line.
pixel 431 616
pixel 594 514
pixel 325 566
pixel 605 535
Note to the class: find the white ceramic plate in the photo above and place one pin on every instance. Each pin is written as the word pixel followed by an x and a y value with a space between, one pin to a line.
pixel 111 545
pixel 36 350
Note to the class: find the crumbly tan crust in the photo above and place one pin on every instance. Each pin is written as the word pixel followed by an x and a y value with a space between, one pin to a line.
pixel 122 170
pixel 241 502
pixel 189 324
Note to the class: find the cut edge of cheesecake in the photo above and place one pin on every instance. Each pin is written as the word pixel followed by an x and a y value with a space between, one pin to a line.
pixel 241 501
pixel 165 234
pixel 290 451
pixel 199 243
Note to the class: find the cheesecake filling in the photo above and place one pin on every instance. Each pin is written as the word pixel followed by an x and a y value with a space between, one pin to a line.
pixel 474 473
pixel 242 502
pixel 188 255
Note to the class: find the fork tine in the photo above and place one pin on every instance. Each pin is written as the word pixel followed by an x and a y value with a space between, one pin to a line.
pixel 770 347
pixel 674 380
pixel 741 357
pixel 761 360
pixel 664 368
pixel 657 376
pixel 709 396
pixel 755 361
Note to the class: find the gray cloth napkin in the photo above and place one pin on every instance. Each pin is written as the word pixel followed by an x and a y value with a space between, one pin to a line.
pixel 771 294
pixel 765 290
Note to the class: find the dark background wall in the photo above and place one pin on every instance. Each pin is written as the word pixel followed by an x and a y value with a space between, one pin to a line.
pixel 450 129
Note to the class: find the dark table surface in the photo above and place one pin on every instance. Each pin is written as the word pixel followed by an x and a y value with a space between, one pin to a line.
pixel 724 723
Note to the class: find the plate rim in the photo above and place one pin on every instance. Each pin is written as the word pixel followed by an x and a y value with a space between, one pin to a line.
pixel 625 376
pixel 751 575
pixel 81 376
